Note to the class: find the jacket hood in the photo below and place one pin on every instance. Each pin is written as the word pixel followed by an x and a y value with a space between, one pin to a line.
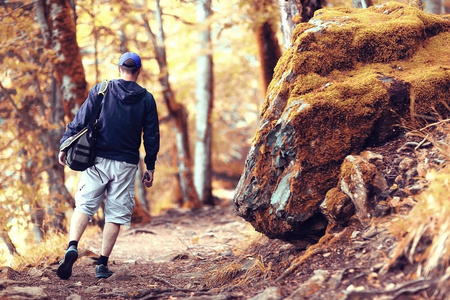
pixel 128 92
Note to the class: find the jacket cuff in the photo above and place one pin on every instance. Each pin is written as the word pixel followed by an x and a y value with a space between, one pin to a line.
pixel 150 166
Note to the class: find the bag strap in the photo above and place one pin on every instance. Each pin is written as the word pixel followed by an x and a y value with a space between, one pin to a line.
pixel 98 107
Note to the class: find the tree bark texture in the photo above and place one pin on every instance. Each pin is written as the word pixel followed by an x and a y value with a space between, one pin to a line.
pixel 58 30
pixel 141 191
pixel 177 112
pixel 9 244
pixel 56 21
pixel 307 8
pixel 268 50
pixel 362 3
pixel 205 99
pixel 293 12
pixel 288 9
pixel 58 193
pixel 140 213
pixel 433 6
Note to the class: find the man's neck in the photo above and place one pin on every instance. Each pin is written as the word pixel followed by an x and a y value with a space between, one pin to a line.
pixel 128 77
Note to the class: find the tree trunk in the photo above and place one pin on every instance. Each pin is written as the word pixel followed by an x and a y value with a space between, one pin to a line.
pixel 58 193
pixel 293 12
pixel 140 212
pixel 205 98
pixel 140 215
pixel 307 8
pixel 362 3
pixel 177 113
pixel 269 52
pixel 58 30
pixel 141 192
pixel 268 47
pixel 288 9
pixel 433 6
pixel 9 244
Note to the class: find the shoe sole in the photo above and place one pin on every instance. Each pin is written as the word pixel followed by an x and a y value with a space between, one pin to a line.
pixel 103 276
pixel 65 268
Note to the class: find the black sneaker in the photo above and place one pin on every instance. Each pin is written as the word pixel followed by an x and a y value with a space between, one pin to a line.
pixel 65 268
pixel 102 271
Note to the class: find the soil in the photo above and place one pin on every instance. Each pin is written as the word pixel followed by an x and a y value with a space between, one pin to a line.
pixel 211 253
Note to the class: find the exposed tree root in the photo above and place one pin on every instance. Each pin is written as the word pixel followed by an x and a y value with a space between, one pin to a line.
pixel 172 285
pixel 136 231
pixel 173 291
pixel 320 247
pixel 170 294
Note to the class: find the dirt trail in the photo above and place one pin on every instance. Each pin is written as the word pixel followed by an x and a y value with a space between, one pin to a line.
pixel 172 256
pixel 205 233
pixel 211 253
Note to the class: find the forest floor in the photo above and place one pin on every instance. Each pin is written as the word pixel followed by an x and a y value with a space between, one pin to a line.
pixel 211 253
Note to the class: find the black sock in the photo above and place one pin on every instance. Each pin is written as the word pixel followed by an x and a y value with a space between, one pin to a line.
pixel 102 260
pixel 73 243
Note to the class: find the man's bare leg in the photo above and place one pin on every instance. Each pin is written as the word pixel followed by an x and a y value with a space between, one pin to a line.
pixel 77 225
pixel 110 234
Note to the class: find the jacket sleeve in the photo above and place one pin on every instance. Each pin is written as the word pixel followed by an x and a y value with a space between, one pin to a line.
pixel 82 116
pixel 151 133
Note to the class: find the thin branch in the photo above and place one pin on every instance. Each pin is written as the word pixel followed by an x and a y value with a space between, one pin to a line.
pixel 7 95
pixel 177 18
pixel 435 124
pixel 160 279
pixel 24 6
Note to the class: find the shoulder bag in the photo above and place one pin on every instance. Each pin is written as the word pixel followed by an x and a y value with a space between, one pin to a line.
pixel 80 148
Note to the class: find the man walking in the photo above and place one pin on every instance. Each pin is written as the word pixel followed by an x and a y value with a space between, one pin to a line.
pixel 128 110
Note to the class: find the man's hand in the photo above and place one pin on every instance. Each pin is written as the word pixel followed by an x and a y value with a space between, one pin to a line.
pixel 147 179
pixel 62 158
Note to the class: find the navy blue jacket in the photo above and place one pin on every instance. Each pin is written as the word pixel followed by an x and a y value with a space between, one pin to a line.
pixel 128 110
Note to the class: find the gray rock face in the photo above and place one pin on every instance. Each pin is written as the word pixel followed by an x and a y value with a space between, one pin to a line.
pixel 358 186
pixel 339 88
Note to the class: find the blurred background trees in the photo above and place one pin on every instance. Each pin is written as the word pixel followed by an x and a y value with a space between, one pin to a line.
pixel 52 52
pixel 208 64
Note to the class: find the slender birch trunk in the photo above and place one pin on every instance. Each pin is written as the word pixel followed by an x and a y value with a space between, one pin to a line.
pixel 177 112
pixel 205 98
pixel 288 9
pixel 433 6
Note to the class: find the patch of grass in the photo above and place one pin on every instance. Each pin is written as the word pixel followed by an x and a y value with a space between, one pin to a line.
pixel 248 266
pixel 51 250
pixel 425 232
pixel 258 269
pixel 40 254
pixel 239 273
pixel 224 275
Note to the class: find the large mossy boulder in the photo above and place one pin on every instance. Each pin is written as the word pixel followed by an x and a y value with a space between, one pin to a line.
pixel 350 79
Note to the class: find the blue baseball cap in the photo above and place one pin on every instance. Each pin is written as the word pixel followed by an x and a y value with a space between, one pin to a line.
pixel 133 56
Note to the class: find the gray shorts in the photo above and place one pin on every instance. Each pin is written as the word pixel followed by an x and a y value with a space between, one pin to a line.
pixel 118 185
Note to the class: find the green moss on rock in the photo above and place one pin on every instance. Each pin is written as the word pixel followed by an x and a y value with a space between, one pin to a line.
pixel 350 77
